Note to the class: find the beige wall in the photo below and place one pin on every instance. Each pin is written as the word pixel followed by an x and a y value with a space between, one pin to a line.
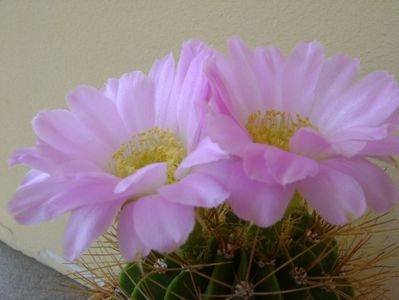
pixel 48 47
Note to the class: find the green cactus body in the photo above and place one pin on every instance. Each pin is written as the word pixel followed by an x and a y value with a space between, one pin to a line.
pixel 188 285
pixel 130 277
pixel 267 282
pixel 156 282
pixel 285 262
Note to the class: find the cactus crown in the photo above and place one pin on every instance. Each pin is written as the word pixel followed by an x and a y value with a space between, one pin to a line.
pixel 228 258
pixel 300 257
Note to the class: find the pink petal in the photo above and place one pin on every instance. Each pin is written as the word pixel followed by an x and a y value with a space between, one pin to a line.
pixel 54 128
pixel 337 75
pixel 220 170
pixel 99 114
pixel 26 156
pixel 234 80
pixel 393 121
pixel 86 224
pixel 180 104
pixel 191 49
pixel 129 242
pixel 136 102
pixel 144 180
pixel 379 189
pixel 248 81
pixel 64 132
pixel 33 176
pixel 288 167
pixel 348 148
pixel 162 225
pixel 45 158
pixel 162 74
pixel 308 142
pixel 242 71
pixel 73 167
pixel 268 64
pixel 111 89
pixel 46 197
pixel 34 215
pixel 223 97
pixel 86 191
pixel 196 189
pixel 191 91
pixel 29 203
pixel 206 152
pixel 334 195
pixel 41 157
pixel 299 80
pixel 225 132
pixel 260 203
pixel 367 104
pixel 386 147
pixel 255 166
pixel 363 133
pixel 351 141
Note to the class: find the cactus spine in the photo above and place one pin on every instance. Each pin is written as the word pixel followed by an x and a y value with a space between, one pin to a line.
pixel 227 258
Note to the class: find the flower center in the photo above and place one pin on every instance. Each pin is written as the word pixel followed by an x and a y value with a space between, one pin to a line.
pixel 147 147
pixel 275 127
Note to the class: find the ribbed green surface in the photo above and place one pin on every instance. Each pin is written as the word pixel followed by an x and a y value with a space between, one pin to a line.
pixel 301 268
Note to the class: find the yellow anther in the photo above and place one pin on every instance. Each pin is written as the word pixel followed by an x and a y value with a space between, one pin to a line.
pixel 147 147
pixel 274 127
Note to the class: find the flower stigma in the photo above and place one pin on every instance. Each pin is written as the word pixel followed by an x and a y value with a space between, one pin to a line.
pixel 147 147
pixel 275 128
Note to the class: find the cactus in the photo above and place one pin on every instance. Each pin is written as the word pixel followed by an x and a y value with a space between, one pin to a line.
pixel 227 258
pixel 301 257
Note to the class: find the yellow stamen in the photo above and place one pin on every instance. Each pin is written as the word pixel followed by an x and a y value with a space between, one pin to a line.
pixel 274 127
pixel 147 147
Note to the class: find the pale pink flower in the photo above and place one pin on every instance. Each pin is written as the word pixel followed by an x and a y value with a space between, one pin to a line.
pixel 135 150
pixel 303 123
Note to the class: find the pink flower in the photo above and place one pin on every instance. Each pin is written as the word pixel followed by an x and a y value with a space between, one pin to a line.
pixel 134 151
pixel 303 123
